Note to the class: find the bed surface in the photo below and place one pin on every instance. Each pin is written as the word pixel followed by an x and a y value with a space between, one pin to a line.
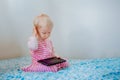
pixel 93 69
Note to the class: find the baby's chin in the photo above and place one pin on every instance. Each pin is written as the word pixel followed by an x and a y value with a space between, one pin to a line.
pixel 44 38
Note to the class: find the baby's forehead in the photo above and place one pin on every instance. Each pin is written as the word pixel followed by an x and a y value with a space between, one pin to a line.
pixel 46 29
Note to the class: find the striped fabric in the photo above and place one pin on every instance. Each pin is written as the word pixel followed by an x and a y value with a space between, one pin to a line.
pixel 42 50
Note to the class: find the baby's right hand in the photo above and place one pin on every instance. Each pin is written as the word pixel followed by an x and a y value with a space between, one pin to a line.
pixel 36 33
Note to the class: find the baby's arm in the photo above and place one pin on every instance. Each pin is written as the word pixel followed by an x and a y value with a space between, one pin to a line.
pixel 53 50
pixel 32 43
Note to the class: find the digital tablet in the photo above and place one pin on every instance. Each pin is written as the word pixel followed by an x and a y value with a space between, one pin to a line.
pixel 51 61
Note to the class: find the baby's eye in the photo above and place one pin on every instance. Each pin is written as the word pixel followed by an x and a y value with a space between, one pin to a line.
pixel 44 32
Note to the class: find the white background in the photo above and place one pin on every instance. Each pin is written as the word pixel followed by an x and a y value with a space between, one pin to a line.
pixel 82 28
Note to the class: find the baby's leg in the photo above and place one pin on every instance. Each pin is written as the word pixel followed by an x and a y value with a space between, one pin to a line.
pixel 64 64
pixel 30 68
pixel 40 68
pixel 50 68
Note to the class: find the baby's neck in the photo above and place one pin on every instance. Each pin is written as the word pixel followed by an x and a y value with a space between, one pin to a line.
pixel 42 40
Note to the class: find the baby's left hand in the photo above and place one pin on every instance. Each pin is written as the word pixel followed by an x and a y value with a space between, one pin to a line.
pixel 58 57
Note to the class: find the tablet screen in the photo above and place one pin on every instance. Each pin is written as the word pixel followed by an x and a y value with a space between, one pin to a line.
pixel 51 61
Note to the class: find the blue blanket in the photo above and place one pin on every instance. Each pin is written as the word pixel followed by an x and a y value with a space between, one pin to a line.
pixel 92 69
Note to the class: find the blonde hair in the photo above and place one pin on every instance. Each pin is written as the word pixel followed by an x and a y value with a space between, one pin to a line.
pixel 43 20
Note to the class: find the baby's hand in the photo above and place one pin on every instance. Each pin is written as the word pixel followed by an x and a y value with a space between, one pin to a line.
pixel 36 33
pixel 58 57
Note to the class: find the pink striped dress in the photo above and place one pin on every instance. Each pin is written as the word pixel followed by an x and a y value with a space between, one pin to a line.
pixel 42 50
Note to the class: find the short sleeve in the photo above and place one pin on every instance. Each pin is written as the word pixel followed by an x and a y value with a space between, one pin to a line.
pixel 32 43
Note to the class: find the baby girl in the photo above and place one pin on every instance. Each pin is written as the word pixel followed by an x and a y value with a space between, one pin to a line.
pixel 41 47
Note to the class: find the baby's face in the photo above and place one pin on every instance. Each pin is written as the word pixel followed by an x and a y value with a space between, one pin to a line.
pixel 44 32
